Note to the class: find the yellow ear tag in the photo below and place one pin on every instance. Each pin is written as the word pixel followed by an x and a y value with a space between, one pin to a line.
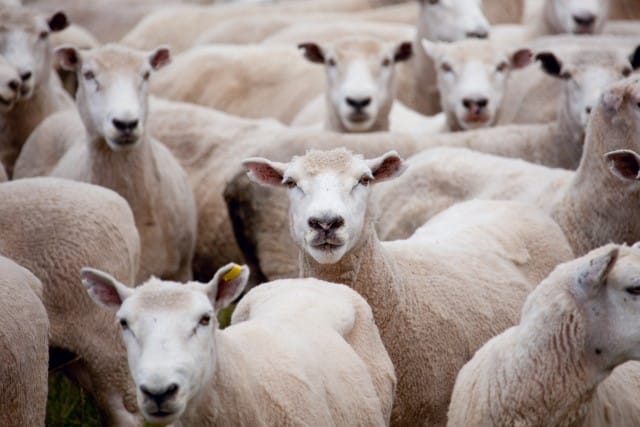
pixel 233 273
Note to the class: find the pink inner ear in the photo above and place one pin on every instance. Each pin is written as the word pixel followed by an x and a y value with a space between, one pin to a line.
pixel 521 58
pixel 160 58
pixel 625 164
pixel 388 168
pixel 68 58
pixel 264 173
pixel 107 294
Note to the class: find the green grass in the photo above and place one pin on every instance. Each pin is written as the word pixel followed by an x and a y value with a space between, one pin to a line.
pixel 68 405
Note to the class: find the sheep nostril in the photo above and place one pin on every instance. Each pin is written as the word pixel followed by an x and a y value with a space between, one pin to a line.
pixel 478 34
pixel 584 19
pixel 26 76
pixel 588 110
pixel 14 85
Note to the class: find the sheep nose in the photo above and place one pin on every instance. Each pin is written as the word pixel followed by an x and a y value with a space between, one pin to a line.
pixel 14 85
pixel 475 104
pixel 125 126
pixel 26 75
pixel 585 19
pixel 478 34
pixel 326 223
pixel 160 396
pixel 358 103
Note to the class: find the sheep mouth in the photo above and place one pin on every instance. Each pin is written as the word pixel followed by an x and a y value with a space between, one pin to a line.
pixel 358 117
pixel 326 243
pixel 476 118
pixel 125 141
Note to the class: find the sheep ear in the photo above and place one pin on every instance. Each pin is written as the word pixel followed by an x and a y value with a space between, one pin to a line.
pixel 634 58
pixel 521 58
pixel 387 166
pixel 265 171
pixel 593 276
pixel 68 57
pixel 160 57
pixel 227 285
pixel 552 65
pixel 625 164
pixel 58 21
pixel 103 288
pixel 403 52
pixel 313 52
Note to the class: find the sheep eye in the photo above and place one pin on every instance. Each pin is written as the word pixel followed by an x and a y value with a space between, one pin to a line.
pixel 386 62
pixel 205 320
pixel 635 290
pixel 446 67
pixel 502 67
pixel 88 75
pixel 123 324
pixel 626 71
pixel 365 180
pixel 290 183
pixel 146 75
pixel 43 35
pixel 331 62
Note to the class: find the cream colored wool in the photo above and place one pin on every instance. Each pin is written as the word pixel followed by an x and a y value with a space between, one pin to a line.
pixel 426 295
pixel 23 347
pixel 55 227
pixel 555 367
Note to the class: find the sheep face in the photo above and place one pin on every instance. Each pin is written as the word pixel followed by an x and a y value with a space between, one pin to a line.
pixel 360 71
pixel 9 86
pixel 607 284
pixel 328 192
pixel 113 90
pixel 577 16
pixel 472 77
pixel 24 42
pixel 169 332
pixel 585 78
pixel 452 20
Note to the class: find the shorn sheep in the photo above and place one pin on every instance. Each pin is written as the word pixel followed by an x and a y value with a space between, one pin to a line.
pixel 423 288
pixel 119 153
pixel 25 45
pixel 556 367
pixel 24 348
pixel 360 87
pixel 263 369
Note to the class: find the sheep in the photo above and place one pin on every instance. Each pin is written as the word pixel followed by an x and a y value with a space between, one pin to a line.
pixel 23 347
pixel 562 16
pixel 562 373
pixel 54 227
pixel 471 77
pixel 26 47
pixel 360 88
pixel 418 288
pixel 265 367
pixel 118 153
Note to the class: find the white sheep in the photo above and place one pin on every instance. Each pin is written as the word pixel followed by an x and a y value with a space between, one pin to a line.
pixel 299 351
pixel 433 295
pixel 54 227
pixel 27 49
pixel 360 90
pixel 555 367
pixel 118 152
pixel 23 347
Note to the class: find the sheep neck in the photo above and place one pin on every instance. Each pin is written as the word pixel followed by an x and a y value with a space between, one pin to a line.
pixel 132 173
pixel 598 207
pixel 556 376
pixel 368 270
pixel 333 122
pixel 568 136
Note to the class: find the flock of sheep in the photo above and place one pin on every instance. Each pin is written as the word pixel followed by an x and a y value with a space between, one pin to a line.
pixel 457 178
